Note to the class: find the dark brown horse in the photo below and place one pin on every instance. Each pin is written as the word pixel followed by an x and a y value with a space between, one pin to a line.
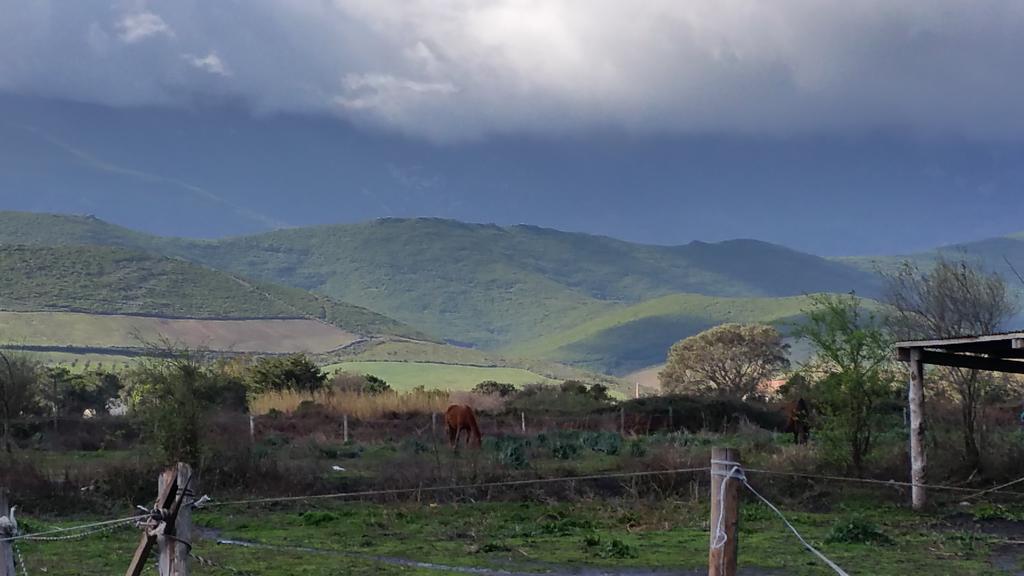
pixel 798 420
pixel 458 418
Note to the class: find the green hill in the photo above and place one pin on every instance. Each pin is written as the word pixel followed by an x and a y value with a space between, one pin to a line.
pixel 485 285
pixel 493 286
pixel 638 336
pixel 108 280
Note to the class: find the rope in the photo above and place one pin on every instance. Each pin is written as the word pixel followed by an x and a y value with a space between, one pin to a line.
pixel 454 487
pixel 39 535
pixel 21 560
pixel 813 550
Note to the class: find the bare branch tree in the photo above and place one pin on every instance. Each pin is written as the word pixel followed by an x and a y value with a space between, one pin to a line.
pixel 950 300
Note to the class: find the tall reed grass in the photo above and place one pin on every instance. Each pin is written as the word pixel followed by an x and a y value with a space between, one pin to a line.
pixel 370 406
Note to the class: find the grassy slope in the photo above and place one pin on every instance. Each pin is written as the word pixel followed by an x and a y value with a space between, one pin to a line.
pixel 432 353
pixel 632 338
pixel 408 375
pixel 105 280
pixel 488 285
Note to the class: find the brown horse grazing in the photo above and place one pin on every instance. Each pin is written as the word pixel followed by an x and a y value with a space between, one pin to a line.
pixel 458 418
pixel 798 420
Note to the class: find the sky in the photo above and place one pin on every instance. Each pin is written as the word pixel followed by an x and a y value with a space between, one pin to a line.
pixel 463 73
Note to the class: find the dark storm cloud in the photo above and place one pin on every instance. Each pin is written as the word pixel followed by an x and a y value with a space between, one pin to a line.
pixel 462 68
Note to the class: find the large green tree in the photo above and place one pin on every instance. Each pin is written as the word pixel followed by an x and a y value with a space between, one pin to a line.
pixel 852 374
pixel 731 361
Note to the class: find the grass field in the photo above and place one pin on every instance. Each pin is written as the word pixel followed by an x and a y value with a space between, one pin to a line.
pixel 615 537
pixel 409 375
pixel 60 329
pixel 628 339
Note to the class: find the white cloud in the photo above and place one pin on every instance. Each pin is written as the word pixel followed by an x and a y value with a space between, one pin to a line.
pixel 138 26
pixel 463 68
pixel 211 64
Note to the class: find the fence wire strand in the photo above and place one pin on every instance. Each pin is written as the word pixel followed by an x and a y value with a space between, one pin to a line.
pixel 497 484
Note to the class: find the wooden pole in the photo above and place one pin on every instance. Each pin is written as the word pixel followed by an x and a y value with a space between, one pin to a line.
pixel 433 423
pixel 252 429
pixel 622 420
pixel 671 420
pixel 725 512
pixel 344 423
pixel 636 390
pixel 171 498
pixel 175 543
pixel 522 420
pixel 918 457
pixel 7 529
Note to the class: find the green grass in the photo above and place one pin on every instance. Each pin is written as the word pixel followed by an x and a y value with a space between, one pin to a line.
pixel 419 351
pixel 632 338
pixel 408 375
pixel 554 538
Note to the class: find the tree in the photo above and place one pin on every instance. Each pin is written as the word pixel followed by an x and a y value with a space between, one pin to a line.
pixel 731 361
pixel 950 300
pixel 854 369
pixel 174 393
pixel 492 388
pixel 294 373
pixel 19 382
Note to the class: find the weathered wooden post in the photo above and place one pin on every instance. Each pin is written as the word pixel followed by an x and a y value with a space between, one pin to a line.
pixel 252 429
pixel 622 420
pixel 918 458
pixel 174 545
pixel 636 390
pixel 170 528
pixel 671 420
pixel 433 423
pixel 8 529
pixel 522 421
pixel 344 424
pixel 725 511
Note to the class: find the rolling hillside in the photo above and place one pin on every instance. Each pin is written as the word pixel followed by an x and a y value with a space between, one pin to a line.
pixel 486 285
pixel 632 338
pixel 95 298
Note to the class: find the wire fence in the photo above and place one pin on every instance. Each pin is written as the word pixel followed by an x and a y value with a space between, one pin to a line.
pixel 736 473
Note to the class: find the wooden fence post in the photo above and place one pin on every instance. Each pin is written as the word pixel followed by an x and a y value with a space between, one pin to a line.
pixel 671 420
pixel 252 429
pixel 170 531
pixel 7 530
pixel 522 420
pixel 344 423
pixel 918 457
pixel 622 420
pixel 724 512
pixel 433 423
pixel 174 545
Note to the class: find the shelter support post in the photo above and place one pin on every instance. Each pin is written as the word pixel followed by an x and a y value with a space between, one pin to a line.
pixel 918 457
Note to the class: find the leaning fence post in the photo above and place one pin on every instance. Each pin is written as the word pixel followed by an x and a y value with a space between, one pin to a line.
pixel 175 544
pixel 8 528
pixel 725 511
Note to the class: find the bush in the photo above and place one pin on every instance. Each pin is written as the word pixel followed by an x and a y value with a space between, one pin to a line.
pixel 857 530
pixel 570 397
pixel 492 388
pixel 369 384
